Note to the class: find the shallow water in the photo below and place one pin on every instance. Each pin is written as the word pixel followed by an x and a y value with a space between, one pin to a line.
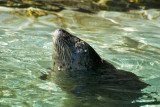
pixel 129 40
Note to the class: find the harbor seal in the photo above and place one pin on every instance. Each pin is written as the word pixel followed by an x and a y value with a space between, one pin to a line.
pixel 73 54
pixel 102 85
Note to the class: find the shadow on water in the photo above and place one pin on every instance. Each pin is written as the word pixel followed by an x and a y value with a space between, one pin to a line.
pixel 103 88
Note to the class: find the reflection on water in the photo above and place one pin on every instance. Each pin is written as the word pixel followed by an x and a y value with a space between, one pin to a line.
pixel 130 41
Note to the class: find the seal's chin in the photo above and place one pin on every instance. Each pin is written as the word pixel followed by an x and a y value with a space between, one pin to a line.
pixel 57 34
pixel 61 46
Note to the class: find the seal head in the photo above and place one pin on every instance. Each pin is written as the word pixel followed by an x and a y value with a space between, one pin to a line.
pixel 71 53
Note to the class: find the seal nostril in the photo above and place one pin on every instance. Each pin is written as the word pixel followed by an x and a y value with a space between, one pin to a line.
pixel 60 29
pixel 58 32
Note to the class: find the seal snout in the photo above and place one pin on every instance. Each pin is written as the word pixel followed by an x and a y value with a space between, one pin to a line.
pixel 58 32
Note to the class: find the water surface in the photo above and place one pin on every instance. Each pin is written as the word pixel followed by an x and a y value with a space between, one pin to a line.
pixel 129 40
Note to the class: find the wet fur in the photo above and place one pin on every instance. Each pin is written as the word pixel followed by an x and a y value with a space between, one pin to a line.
pixel 72 53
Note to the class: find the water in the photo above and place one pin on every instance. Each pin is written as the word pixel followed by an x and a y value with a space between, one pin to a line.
pixel 129 40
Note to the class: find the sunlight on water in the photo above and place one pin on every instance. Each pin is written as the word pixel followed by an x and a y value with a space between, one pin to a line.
pixel 130 41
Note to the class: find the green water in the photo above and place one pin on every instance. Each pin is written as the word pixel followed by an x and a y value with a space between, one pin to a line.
pixel 129 40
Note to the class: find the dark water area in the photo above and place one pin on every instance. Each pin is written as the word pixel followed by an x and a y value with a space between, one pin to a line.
pixel 129 40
